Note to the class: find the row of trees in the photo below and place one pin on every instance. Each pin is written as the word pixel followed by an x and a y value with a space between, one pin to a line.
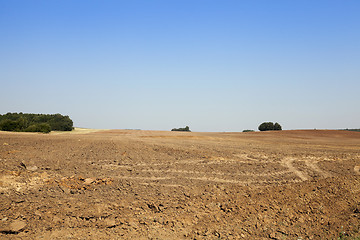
pixel 353 130
pixel 265 126
pixel 29 122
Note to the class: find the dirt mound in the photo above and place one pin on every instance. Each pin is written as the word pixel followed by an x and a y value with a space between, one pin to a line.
pixel 169 185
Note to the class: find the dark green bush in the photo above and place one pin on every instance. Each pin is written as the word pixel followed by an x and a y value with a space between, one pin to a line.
pixel 269 126
pixel 40 127
pixel 277 127
pixel 8 125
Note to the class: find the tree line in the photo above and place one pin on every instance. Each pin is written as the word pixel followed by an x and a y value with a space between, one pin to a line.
pixel 353 130
pixel 265 126
pixel 30 122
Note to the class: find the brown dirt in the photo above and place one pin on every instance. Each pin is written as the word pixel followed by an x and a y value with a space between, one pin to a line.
pixel 123 184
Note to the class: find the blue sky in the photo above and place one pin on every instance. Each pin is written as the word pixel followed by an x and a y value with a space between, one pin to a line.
pixel 211 65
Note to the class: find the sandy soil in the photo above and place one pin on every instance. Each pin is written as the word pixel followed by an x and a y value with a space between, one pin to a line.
pixel 132 184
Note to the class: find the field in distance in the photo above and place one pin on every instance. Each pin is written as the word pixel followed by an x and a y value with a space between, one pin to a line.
pixel 111 184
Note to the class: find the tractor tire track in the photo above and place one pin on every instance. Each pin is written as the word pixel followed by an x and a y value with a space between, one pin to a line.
pixel 357 169
pixel 288 162
pixel 313 165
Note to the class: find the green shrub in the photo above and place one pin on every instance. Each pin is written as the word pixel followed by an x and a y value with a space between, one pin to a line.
pixel 277 127
pixel 247 130
pixel 40 127
pixel 8 125
pixel 269 126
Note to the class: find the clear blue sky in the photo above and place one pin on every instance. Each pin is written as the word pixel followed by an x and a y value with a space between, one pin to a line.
pixel 211 65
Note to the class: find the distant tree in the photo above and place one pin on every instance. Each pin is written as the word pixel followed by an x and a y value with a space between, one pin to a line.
pixel 40 127
pixel 266 126
pixel 277 127
pixel 8 125
pixel 59 122
pixel 185 129
pixel 22 123
pixel 269 126
pixel 247 130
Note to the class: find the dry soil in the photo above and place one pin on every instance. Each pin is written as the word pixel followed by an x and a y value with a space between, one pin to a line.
pixel 130 184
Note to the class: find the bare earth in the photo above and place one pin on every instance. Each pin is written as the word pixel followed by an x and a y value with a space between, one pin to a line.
pixel 129 184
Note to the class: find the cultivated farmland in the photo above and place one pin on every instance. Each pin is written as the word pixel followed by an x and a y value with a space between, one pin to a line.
pixel 126 184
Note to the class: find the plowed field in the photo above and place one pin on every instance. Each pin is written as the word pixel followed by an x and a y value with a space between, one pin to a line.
pixel 132 184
